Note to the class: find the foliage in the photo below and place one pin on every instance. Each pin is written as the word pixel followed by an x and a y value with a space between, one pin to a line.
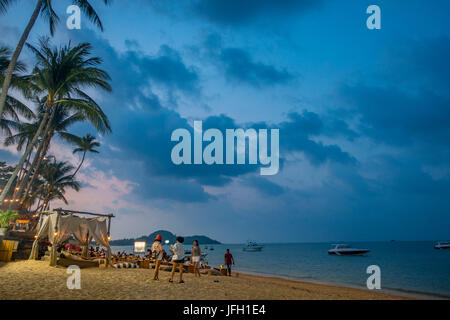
pixel 7 216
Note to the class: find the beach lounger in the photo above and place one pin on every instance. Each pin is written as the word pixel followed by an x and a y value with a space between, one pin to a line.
pixel 65 262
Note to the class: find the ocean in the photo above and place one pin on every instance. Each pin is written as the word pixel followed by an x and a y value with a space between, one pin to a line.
pixel 414 267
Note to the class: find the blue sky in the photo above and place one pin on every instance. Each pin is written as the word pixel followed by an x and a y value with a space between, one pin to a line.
pixel 364 116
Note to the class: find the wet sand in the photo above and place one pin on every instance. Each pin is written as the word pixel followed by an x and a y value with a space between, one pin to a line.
pixel 37 280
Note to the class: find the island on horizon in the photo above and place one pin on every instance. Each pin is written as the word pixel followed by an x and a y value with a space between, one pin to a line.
pixel 167 235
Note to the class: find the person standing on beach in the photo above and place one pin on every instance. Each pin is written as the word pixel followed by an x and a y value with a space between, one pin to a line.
pixel 195 257
pixel 157 255
pixel 228 261
pixel 178 258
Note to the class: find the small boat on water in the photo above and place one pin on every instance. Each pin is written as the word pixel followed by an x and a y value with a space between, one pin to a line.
pixel 252 247
pixel 441 245
pixel 346 250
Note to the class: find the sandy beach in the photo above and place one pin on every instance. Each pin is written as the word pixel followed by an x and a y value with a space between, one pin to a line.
pixel 37 280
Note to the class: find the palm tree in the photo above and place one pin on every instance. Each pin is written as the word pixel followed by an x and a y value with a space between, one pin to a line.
pixel 56 178
pixel 59 126
pixel 60 76
pixel 4 5
pixel 85 144
pixel 45 8
pixel 13 107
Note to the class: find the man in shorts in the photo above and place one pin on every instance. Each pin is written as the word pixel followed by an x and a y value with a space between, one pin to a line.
pixel 228 261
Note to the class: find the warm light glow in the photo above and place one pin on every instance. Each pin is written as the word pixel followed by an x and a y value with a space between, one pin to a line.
pixel 139 246
pixel 56 233
pixel 35 236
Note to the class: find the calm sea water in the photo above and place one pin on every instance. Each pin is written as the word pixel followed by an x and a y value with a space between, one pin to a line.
pixel 408 266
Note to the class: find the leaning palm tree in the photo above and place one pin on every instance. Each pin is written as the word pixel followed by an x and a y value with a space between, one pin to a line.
pixel 45 9
pixel 85 144
pixel 13 109
pixel 55 179
pixel 60 76
pixel 61 122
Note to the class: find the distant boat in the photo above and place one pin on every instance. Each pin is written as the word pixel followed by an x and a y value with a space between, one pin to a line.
pixel 252 247
pixel 211 248
pixel 346 250
pixel 442 245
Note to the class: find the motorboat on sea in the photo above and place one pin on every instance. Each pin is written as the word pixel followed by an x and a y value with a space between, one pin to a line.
pixel 252 247
pixel 346 250
pixel 442 245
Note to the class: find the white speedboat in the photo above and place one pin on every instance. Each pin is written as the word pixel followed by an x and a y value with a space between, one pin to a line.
pixel 252 246
pixel 346 250
pixel 442 245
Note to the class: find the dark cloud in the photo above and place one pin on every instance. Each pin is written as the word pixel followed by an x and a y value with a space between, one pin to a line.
pixel 264 186
pixel 297 133
pixel 238 12
pixel 396 117
pixel 232 12
pixel 240 67
pixel 166 68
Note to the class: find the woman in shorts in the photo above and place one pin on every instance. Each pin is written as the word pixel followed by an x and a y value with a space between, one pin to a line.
pixel 195 257
pixel 157 254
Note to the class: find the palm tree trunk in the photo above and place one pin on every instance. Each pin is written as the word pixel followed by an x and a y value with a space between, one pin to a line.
pixel 15 57
pixel 26 177
pixel 20 176
pixel 39 158
pixel 82 160
pixel 44 144
pixel 36 158
pixel 23 158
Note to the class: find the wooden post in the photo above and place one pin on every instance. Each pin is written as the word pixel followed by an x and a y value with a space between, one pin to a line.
pixel 108 250
pixel 53 257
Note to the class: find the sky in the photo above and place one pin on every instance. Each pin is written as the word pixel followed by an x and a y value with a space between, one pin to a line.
pixel 363 116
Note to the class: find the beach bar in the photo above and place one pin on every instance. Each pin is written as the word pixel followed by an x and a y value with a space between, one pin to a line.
pixel 60 224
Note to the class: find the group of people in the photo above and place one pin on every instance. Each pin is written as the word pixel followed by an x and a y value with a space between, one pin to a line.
pixel 97 253
pixel 178 257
